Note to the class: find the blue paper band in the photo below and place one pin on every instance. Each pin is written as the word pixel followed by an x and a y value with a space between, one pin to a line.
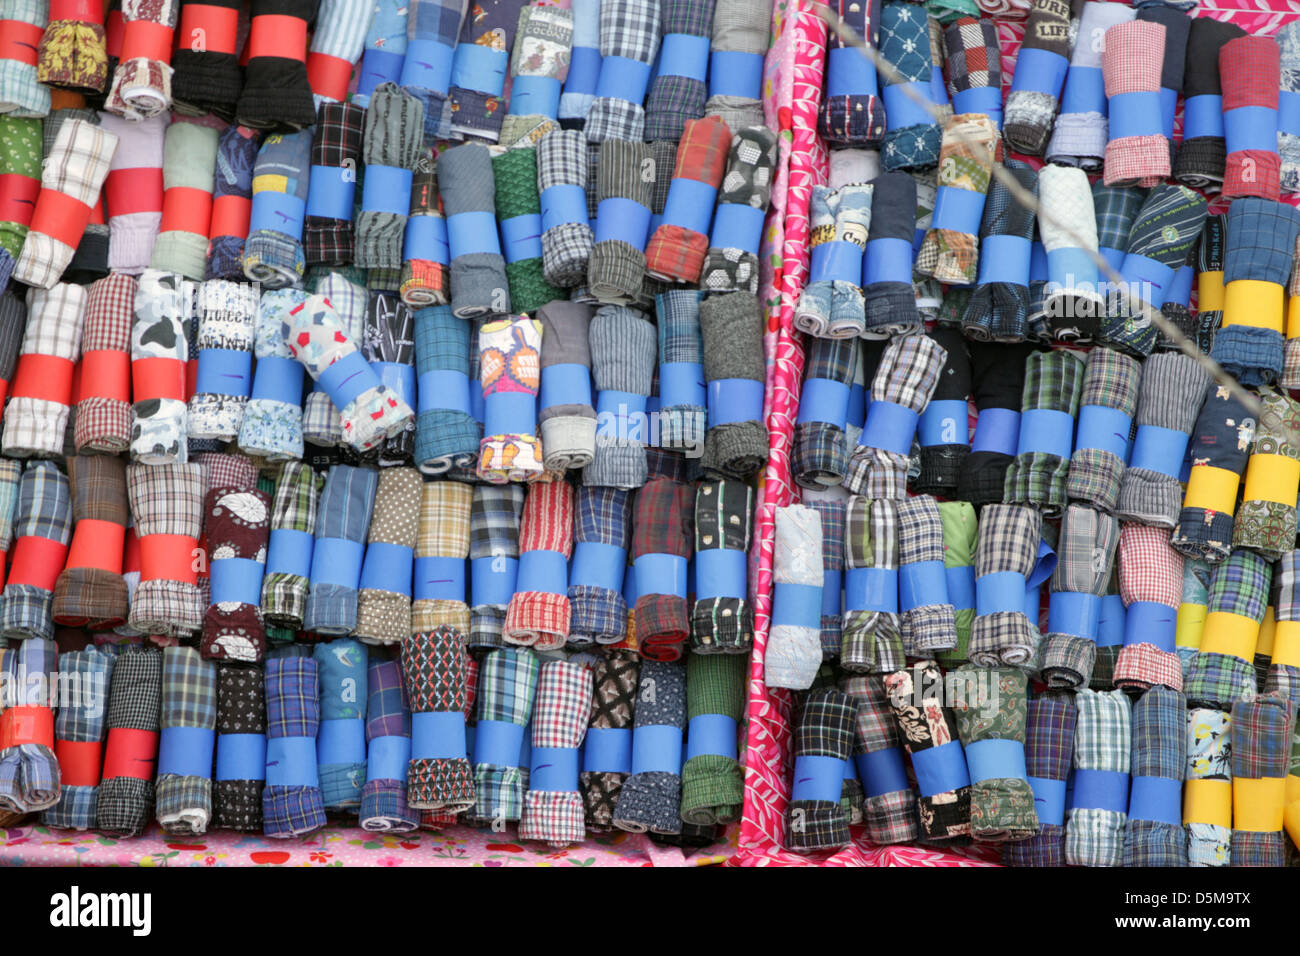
pixel 563 204
pixel 945 422
pixel 1045 431
pixel 1039 71
pixel 857 405
pixel 236 580
pixel 241 757
pixel 1158 799
pixel 1114 257
pixel 997 430
pixel 1100 790
pixel 388 758
pixel 535 96
pixel 824 400
pixel 1085 91
pixel 544 571
pixel 817 778
pixel 961 586
pixel 477 402
pixel 341 740
pixel 711 735
pixel 871 589
pixel 553 770
pixel 1288 113
pixel 438 735
pixel 629 586
pixel 607 750
pixel 1073 613
pixel 480 68
pixel 887 260
pixel 980 99
pixel 597 565
pixel 690 205
pixel 797 605
pixel 567 383
pixel 378 67
pixel 1168 107
pixel 622 220
pixel 940 769
pixel 470 233
pixel 721 573
pixel 426 239
pixel 737 226
pixel 1203 116
pixel 1180 290
pixel 277 212
pixel 443 388
pixel 186 751
pixel 1044 565
pixel 921 584
pixel 440 579
pixel 428 65
pixel 291 762
pixel 290 552
pixel 336 561
pixel 1110 625
pixel 732 73
pixel 733 400
pixel 657 748
pixel 584 70
pixel 1250 127
pixel 1158 449
pixel 224 372
pixel 622 78
pixel 683 54
pixel 398 377
pixel 832 592
pixel 492 580
pixel 387 189
pixel 1038 268
pixel 995 760
pixel 1146 278
pixel 889 427
pixel 681 383
pixel 1134 114
pixel 388 567
pixel 521 237
pixel 850 73
pixel 1150 622
pixel 331 192
pixel 621 416
pixel 278 379
pixel 1004 259
pixel 498 742
pixel 901 111
pixel 1070 269
pixel 1033 602
pixel 1104 429
pixel 836 261
pixel 660 574
pixel 882 771
pixel 958 210
pixel 1000 592
pixel 509 413
pixel 1049 800
pixel 347 378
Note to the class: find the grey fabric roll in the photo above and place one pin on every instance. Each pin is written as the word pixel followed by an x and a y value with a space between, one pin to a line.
pixel 616 268
pixel 732 330
pixel 566 247
pixel 478 279
pixel 623 354
pixel 1086 551
pixel 568 430
pixel 394 137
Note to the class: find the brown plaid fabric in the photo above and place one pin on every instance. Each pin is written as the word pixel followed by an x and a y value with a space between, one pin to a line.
pixel 94 597
pixel 103 421
pixel 166 500
pixel 444 533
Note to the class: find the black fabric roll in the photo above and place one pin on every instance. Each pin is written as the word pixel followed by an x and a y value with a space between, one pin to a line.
pixel 891 306
pixel 1200 160
pixel 941 465
pixel 1177 26
pixel 277 94
pixel 998 373
pixel 204 80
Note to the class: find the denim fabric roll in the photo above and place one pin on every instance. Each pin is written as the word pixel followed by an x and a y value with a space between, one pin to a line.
pixel 346 505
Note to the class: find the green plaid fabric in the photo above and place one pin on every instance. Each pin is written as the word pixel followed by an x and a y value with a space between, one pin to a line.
pixel 872 640
pixel 1110 381
pixel 1240 585
pixel 1053 381
pixel 507 684
pixel 713 785
pixel 284 596
pixel 189 699
pixel 826 730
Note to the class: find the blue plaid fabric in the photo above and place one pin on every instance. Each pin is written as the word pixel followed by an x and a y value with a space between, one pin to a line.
pixel 29 773
pixel 383 800
pixel 506 687
pixel 444 437
pixel 292 710
pixel 88 671
pixel 1159 750
pixel 598 614
pixel 1240 585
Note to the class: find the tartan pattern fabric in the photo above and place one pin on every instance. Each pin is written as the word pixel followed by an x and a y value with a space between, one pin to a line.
pixel 723 515
pixel 1159 750
pixel 1131 62
pixel 1261 749
pixel 166 500
pixel 820 456
pixel 826 729
pixel 435 667
pixel 566 247
pixel 44 511
pixel 189 699
pixel 889 817
pixel 1102 742
pixel 678 312
pixel 1109 381
pixel 125 804
pixel 674 100
pixel 1240 585
pixel 628 29
pixel 832 514
pixel 91 670
pixel 615 680
pixel 383 800
pixel 493 532
pixel 103 423
pixel 662 524
pixel 292 710
pixel 560 715
pixel 932 626
pixel 34 427
pixel 241 709
pixel 1049 755
pixel 443 533
pixel 871 640
pixel 601 516
pixel 973 54
pixel 445 438
pixel 297 492
pixel 535 618
pixel 1149 571
pixel 22 92
pixel 29 772
pixel 999 309
pixel 1085 559
pixel 336 144
pixel 1008 541
pixel 713 784
pixel 507 685
pixel 1053 381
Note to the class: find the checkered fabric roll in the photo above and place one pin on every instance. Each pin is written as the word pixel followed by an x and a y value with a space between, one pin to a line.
pixel 124 804
pixel 10 476
pixel 510 364
pixel 826 729
pixel 1283 675
pixel 676 252
pixel 540 618
pixel 941 463
pixel 284 590
pixel 1049 755
pixel 622 344
pixel 445 438
pixel 661 524
pixel 227 315
pixel 22 93
pixel 1222 673
pixel 435 667
pixel 103 419
pixel 1159 751
pixel 723 515
pixel 1266 517
pixel 29 769
pixel 1086 555
pixel 1053 381
pixel 834 307
pixel 1209 769
pixel 495 513
pixel 615 685
pixel 83 727
pixel 132 190
pixel 629 30
pixel 1008 542
pixel 141 85
pixel 241 709
pixel 426 277
pixel 1250 72
pixel 625 171
pixel 1261 748
pixel 189 700
pixel 712 783
pixel 740 26
pixel 507 687
pixel 274 257
pixel 598 614
pixel 41 530
pixel 675 99
pixel 974 64
pixel 1290 375
pixel 731 331
pixel 444 532
pixel 34 426
pixel 560 716
pixel 1131 63
pixel 166 500
pixel 292 710
pixel 650 800
pixel 929 626
pixel 1095 836
pixel 731 263
pixel 872 639
pixel 393 141
pixel 566 246
pixel 327 240
pixel 1150 572
pixel 998 307
pixel 1079 137
pixel 889 810
pixel 347 505
pixel 821 455
pixel 831 506
pixel 383 799
pixel 89 592
pixel 681 426
pixel 1109 381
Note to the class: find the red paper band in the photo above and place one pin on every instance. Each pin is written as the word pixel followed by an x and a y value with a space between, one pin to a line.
pixel 273 34
pixel 97 213
pixel 83 11
pixel 105 373
pixel 131 553
pixel 146 40
pixel 158 378
pixel 37 562
pixel 130 753
pixel 19 41
pixel 60 217
pixel 45 377
pixel 79 761
pixel 18 198
pixel 4 392
pixel 134 190
pixel 208 29
pixel 113 27
pixel 97 544
pixel 230 216
pixel 186 209
pixel 329 76
pixel 168 557
pixel 27 725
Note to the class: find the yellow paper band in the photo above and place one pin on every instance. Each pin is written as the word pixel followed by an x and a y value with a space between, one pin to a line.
pixel 1272 478
pixel 1292 789
pixel 1293 317
pixel 1291 819
pixel 1209 291
pixel 1255 303
pixel 1191 622
pixel 1286 644
pixel 1214 489
pixel 1208 801
pixel 1258 803
pixel 1267 628
pixel 1230 634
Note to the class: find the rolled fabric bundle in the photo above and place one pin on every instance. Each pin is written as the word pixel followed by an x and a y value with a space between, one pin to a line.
pixel 927 616
pixel 507 684
pixel 133 190
pixel 823 743
pixel 712 784
pixel 679 245
pixel 337 40
pixel 871 630
pixel 22 93
pixel 273 253
pixel 1154 834
pixel 622 346
pixel 900 391
pixel 722 620
pixel 277 93
pixel 479 285
pixel 30 777
pixel 272 425
pixel 510 377
pixel 291 802
pixel 998 373
pixel 236 529
pixel 998 308
pixel 539 62
pixel 20 159
pixel 1257 259
pixel 79 738
pixel 346 506
pixel 1290 375
pixel 538 613
pixel 1037 475
pixel 889 299
pixel 650 798
pixel 738 44
pixel 629 42
pixel 232 198
pixel 124 802
pixel 340 745
pixel 446 434
pixel 607 755
pixel 1041 67
pixel 13 326
pixel 388 738
pixel 1202 154
pixel 423 65
pixel 1087 554
pixel 1192 609
pixel 677 92
pixel 1050 726
pixel 1207 797
pixel 661 547
pixel 889 806
pixel 441 548
pixel 207 74
pixel 475 101
pixel 974 61
pixel 90 591
pixel 731 263
pixel 820 456
pixel 911 133
pixel 10 477
pixel 384 598
pixel 1094 830
pixel 393 150
pixel 188 735
pixel 624 190
pixel 1250 72
pixel 598 612
pixel 72 173
pixel 189 164
pixel 1288 132
pixel 159 352
pixel 1107 403
pixel 1261 748
pixel 950 250
pixel 141 85
pixel 832 510
pixel 1283 674
pixel 388 344
pixel 42 527
pixel 562 170
pixel 1079 135
pixel 1116 208
pixel 1222 672
pixel 851 112
pixel 335 159
pixel 990 707
pixel 736 435
pixel 103 419
pixel 831 304
pixel 553 808
pixel 384 49
pixel 241 748
pixel 584 68
pixel 1005 561
pixel 439 775
pixel 683 399
pixel 425 276
pixel 1131 62
pixel 167 505
pixel 1266 518
pixel 1150 582
pixel 1173 386
pixel 1074 304
pixel 518 208
pixel 495 512
pixel 227 313
pixel 1177 24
